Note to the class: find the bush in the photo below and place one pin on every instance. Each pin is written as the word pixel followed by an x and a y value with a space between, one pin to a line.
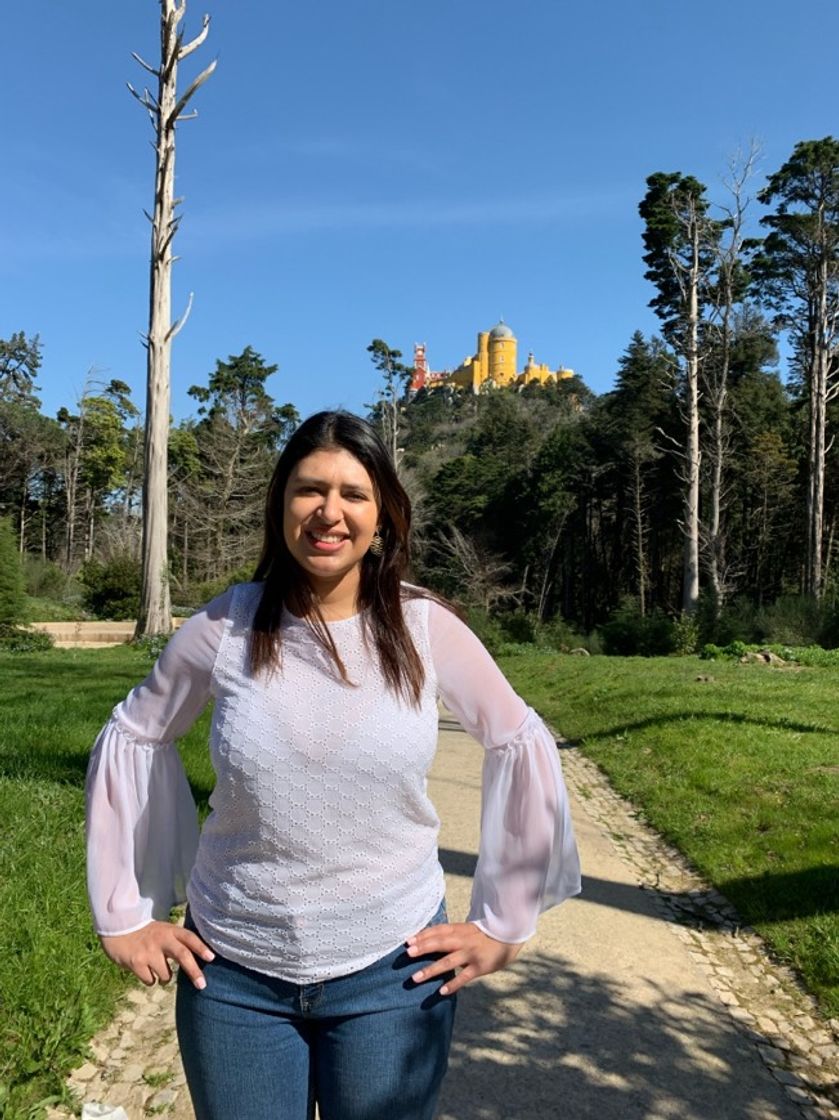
pixel 829 630
pixel 197 594
pixel 487 629
pixel 686 634
pixel 15 639
pixel 12 595
pixel 44 579
pixel 712 652
pixel 558 635
pixel 628 633
pixel 796 620
pixel 519 628
pixel 112 590
pixel 51 610
pixel 792 620
pixel 152 645
pixel 738 622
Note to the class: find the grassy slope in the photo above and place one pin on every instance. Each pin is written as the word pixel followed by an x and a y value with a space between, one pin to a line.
pixel 56 987
pixel 741 772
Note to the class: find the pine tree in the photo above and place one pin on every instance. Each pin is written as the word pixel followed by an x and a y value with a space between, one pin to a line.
pixel 12 598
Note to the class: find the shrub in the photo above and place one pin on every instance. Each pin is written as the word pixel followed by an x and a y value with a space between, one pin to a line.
pixel 112 589
pixel 12 595
pixel 711 652
pixel 685 634
pixel 629 633
pixel 739 621
pixel 15 639
pixel 487 629
pixel 44 579
pixel 558 635
pixel 795 620
pixel 51 610
pixel 152 645
pixel 519 628
pixel 197 594
pixel 829 631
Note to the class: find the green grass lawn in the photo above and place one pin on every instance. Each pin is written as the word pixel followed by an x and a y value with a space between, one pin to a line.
pixel 56 987
pixel 741 772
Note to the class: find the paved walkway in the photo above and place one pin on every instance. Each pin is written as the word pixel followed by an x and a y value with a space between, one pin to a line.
pixel 643 998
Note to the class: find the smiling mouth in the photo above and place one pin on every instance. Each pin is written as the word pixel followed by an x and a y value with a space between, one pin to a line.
pixel 325 541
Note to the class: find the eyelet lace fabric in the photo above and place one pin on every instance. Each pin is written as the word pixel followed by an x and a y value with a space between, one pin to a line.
pixel 320 852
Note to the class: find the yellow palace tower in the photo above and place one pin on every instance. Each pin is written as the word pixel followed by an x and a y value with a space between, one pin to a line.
pixel 494 365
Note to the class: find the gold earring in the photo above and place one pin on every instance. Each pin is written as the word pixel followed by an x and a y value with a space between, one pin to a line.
pixel 377 544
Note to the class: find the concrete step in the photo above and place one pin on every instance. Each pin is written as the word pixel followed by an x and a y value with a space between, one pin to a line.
pixel 92 635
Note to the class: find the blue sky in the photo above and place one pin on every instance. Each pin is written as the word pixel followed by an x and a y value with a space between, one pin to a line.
pixel 381 168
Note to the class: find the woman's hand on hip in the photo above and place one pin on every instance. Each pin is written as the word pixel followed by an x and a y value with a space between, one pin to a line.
pixel 465 947
pixel 147 952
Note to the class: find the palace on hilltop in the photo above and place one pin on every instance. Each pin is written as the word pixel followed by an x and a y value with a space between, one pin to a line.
pixel 494 365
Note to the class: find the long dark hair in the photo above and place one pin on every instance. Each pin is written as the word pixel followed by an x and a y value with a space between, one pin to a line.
pixel 380 593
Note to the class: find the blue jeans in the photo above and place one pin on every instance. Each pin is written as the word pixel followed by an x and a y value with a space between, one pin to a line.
pixel 369 1046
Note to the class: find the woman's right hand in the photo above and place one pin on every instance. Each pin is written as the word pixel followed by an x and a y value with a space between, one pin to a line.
pixel 147 952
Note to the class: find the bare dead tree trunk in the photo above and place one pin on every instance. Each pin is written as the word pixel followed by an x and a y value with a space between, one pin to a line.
pixel 70 475
pixel 638 525
pixel 24 496
pixel 817 463
pixel 90 512
pixel 715 381
pixel 690 584
pixel 72 467
pixel 819 389
pixel 547 577
pixel 165 111
pixel 828 555
pixel 185 558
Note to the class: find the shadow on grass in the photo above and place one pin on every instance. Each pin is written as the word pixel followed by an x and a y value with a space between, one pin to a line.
pixel 28 763
pixel 64 767
pixel 784 896
pixel 780 723
pixel 541 1041
pixel 68 769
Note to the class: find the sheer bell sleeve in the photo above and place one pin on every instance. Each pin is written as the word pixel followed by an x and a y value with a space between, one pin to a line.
pixel 142 825
pixel 528 857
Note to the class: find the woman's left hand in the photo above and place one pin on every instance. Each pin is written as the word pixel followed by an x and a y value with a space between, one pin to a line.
pixel 466 947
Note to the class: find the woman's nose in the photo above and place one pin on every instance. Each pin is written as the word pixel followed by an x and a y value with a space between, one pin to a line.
pixel 331 507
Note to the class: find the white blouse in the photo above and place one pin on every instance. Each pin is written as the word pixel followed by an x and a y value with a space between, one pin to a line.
pixel 320 853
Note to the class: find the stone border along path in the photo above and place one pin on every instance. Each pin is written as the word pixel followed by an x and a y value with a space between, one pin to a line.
pixel 134 1061
pixel 763 998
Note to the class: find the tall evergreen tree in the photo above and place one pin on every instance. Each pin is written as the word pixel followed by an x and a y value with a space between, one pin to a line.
pixel 11 577
pixel 681 241
pixel 240 431
pixel 797 265
pixel 637 415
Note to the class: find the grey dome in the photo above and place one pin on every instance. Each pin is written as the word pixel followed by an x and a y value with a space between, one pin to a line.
pixel 501 330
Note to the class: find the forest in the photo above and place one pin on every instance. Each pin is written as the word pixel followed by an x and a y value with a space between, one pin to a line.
pixel 694 502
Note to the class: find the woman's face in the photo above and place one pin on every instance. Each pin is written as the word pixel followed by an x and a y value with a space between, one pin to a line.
pixel 330 513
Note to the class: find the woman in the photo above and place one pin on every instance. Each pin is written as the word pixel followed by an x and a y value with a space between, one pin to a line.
pixel 317 961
